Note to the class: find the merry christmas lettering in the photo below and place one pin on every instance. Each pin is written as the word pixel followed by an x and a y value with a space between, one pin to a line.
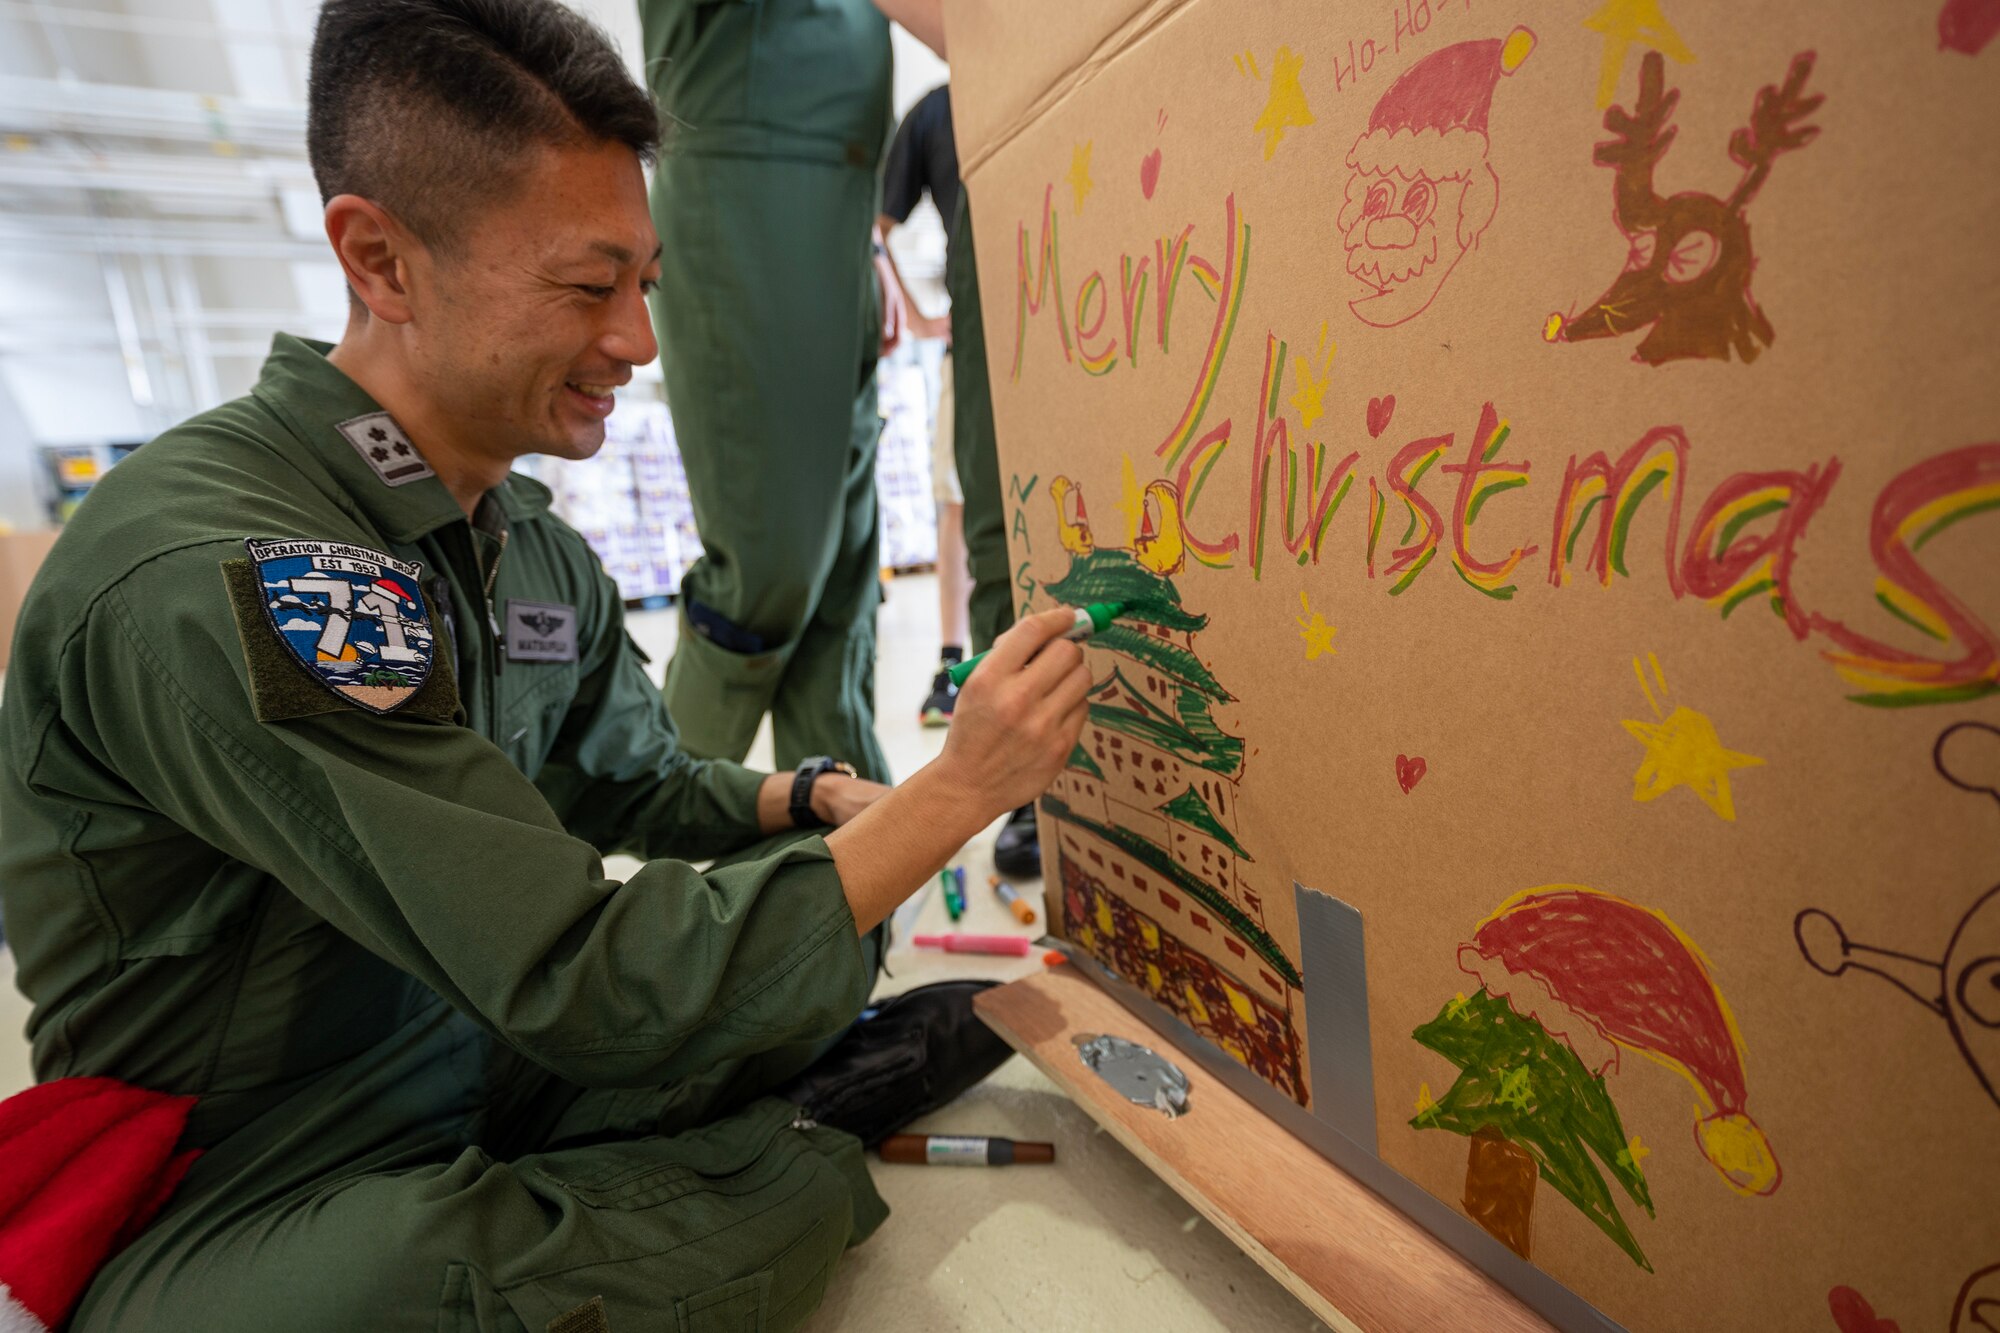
pixel 1735 543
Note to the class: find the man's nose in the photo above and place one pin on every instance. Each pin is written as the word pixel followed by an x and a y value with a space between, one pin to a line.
pixel 1391 233
pixel 630 336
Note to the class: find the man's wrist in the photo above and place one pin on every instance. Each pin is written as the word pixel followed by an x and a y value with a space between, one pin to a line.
pixel 948 800
pixel 807 805
pixel 825 787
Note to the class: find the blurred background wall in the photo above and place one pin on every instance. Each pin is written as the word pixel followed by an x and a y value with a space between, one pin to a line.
pixel 158 223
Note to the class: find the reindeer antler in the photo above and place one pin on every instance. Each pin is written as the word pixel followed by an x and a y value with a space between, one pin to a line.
pixel 1771 130
pixel 1640 139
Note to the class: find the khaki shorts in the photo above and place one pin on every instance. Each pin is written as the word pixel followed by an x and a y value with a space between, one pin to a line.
pixel 944 462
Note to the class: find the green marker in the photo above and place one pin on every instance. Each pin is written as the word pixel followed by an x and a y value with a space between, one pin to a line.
pixel 1089 620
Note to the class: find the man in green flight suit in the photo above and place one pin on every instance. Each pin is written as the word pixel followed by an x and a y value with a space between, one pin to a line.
pixel 318 723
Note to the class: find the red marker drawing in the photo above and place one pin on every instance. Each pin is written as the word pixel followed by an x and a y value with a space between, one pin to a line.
pixel 1003 944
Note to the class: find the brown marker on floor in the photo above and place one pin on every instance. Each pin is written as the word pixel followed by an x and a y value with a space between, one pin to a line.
pixel 953 1150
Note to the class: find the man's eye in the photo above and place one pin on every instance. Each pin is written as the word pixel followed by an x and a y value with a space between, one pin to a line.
pixel 647 286
pixel 595 293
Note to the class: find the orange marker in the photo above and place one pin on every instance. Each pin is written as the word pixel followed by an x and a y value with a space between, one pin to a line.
pixel 1019 906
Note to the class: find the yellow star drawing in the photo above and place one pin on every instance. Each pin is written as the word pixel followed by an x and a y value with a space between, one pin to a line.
pixel 1426 1104
pixel 1683 750
pixel 1457 1006
pixel 1634 1152
pixel 1309 400
pixel 1131 503
pixel 1286 107
pixel 1316 632
pixel 1080 182
pixel 1624 22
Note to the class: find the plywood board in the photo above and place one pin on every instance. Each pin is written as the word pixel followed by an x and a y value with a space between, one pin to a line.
pixel 1356 1262
pixel 1555 456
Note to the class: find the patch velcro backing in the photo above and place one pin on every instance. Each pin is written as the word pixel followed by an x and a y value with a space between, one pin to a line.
pixel 585 1318
pixel 282 687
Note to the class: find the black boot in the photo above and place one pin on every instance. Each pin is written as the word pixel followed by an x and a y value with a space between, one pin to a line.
pixel 1017 851
pixel 903 1058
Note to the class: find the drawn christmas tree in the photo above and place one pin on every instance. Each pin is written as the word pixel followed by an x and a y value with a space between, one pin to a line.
pixel 1155 882
pixel 1570 977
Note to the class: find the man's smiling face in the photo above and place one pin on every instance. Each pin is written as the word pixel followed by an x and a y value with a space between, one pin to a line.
pixel 538 309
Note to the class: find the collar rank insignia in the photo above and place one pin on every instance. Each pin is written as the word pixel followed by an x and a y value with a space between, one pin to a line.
pixel 353 618
pixel 383 446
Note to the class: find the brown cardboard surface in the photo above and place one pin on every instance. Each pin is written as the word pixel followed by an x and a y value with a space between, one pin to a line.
pixel 1641 768
pixel 21 554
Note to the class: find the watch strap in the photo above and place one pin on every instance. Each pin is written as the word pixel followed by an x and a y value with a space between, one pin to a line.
pixel 809 771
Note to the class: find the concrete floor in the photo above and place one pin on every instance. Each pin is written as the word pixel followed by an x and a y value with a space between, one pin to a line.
pixel 1094 1242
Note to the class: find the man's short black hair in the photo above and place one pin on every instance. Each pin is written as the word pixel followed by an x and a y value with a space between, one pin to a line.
pixel 427 106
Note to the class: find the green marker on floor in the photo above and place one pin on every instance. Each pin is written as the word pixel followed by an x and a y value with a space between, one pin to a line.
pixel 1089 620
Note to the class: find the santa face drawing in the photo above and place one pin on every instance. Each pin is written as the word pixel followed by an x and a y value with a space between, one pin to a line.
pixel 1419 190
pixel 1404 236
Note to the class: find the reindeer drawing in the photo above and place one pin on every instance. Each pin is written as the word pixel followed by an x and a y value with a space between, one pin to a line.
pixel 1687 275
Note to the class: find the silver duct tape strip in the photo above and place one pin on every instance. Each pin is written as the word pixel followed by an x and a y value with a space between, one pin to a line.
pixel 1343 1071
pixel 1536 1289
pixel 1137 1073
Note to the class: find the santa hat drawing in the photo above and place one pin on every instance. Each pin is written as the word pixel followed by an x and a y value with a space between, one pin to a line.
pixel 393 588
pixel 85 1163
pixel 1602 974
pixel 1432 119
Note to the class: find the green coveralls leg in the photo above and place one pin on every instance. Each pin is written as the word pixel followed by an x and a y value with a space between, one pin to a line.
pixel 703 1201
pixel 976 444
pixel 769 318
pixel 736 1223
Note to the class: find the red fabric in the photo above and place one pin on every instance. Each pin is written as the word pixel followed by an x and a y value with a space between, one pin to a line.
pixel 84 1164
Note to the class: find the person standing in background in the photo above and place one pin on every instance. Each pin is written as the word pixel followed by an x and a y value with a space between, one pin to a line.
pixel 925 155
pixel 771 314
pixel 924 160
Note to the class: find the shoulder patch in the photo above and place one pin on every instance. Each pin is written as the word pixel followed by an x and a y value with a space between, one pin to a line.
pixel 383 446
pixel 326 624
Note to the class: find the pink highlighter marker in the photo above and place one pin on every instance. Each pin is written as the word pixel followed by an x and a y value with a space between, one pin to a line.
pixel 1002 944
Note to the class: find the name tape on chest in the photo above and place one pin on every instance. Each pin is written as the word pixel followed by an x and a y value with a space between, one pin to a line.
pixel 354 618
pixel 383 446
pixel 540 631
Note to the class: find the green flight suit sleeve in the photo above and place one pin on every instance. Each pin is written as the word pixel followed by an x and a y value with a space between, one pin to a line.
pixel 422 842
pixel 617 776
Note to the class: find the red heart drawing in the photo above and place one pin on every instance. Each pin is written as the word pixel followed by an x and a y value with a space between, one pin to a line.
pixel 1854 1314
pixel 1379 412
pixel 1149 172
pixel 1968 25
pixel 1409 772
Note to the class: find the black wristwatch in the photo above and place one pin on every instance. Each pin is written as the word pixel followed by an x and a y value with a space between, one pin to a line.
pixel 802 785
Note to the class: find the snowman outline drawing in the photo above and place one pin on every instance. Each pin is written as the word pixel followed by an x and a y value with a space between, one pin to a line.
pixel 1962 987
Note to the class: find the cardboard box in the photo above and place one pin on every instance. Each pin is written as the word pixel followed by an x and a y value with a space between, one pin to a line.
pixel 1556 452
pixel 21 554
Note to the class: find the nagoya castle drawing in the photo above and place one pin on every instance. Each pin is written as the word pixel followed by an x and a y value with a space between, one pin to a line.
pixel 1155 884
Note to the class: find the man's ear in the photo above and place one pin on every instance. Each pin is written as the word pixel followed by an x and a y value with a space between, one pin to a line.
pixel 374 252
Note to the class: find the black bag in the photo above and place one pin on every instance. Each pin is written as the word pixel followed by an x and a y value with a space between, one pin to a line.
pixel 903 1058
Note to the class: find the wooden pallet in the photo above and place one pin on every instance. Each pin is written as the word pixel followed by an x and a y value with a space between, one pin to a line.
pixel 1357 1263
